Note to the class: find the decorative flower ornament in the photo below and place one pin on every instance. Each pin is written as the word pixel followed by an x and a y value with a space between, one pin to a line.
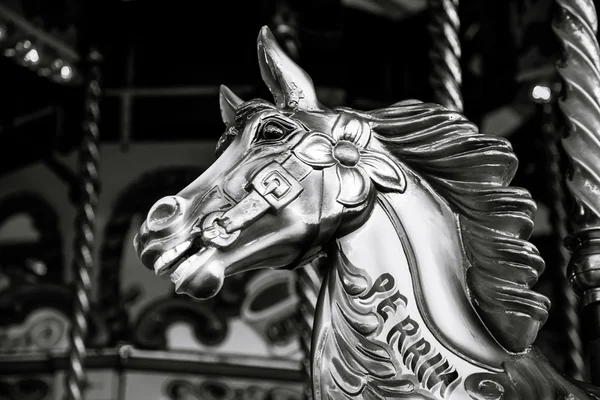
pixel 356 165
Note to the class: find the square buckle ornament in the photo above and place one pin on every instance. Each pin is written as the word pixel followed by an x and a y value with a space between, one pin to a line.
pixel 276 185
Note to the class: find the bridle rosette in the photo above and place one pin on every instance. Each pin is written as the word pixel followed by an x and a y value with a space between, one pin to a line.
pixel 357 165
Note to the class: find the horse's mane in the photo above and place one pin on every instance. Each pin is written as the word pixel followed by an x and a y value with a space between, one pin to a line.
pixel 472 171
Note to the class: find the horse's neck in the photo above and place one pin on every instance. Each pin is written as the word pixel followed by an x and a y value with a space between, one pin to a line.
pixel 393 307
pixel 394 321
pixel 414 237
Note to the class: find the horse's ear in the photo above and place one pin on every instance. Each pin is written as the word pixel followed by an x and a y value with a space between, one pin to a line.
pixel 228 102
pixel 290 86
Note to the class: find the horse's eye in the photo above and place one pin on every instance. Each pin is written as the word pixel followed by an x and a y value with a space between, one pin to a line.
pixel 273 130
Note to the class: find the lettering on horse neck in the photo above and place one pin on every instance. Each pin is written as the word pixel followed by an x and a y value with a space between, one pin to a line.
pixel 368 328
pixel 413 348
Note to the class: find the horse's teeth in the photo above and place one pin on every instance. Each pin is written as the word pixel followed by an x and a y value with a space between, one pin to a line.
pixel 191 265
pixel 182 267
pixel 170 255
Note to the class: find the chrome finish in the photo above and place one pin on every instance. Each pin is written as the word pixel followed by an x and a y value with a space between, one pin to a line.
pixel 228 103
pixel 576 26
pixel 445 54
pixel 565 300
pixel 163 211
pixel 290 86
pixel 276 186
pixel 429 272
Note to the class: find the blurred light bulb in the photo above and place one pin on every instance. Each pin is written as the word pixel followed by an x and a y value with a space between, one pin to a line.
pixel 32 56
pixel 542 93
pixel 24 45
pixel 66 72
pixel 58 63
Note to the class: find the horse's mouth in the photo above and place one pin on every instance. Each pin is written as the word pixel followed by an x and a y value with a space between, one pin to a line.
pixel 186 264
pixel 174 257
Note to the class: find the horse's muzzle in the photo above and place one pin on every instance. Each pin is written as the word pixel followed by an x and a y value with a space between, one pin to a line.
pixel 166 215
pixel 161 230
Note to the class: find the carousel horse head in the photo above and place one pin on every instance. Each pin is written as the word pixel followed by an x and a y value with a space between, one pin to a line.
pixel 293 175
pixel 289 177
pixel 430 269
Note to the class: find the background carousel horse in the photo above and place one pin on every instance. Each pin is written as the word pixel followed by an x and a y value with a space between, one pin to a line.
pixel 428 290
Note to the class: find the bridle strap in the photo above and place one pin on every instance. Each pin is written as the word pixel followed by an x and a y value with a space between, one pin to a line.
pixel 273 187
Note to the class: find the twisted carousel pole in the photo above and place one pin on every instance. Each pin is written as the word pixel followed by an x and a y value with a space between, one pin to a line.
pixel 559 220
pixel 76 381
pixel 576 25
pixel 308 286
pixel 445 53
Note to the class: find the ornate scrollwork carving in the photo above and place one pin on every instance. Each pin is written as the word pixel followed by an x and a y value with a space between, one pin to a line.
pixel 150 329
pixel 41 332
pixel 37 317
pixel 484 386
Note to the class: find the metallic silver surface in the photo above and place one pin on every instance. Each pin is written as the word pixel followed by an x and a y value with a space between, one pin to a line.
pixel 565 299
pixel 427 293
pixel 84 240
pixel 576 26
pixel 445 53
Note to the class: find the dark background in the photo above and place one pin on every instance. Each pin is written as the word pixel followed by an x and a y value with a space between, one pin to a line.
pixel 177 53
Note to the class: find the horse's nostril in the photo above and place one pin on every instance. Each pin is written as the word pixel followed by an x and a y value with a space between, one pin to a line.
pixel 163 211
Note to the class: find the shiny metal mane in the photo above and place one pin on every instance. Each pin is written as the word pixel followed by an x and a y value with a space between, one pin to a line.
pixel 472 171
